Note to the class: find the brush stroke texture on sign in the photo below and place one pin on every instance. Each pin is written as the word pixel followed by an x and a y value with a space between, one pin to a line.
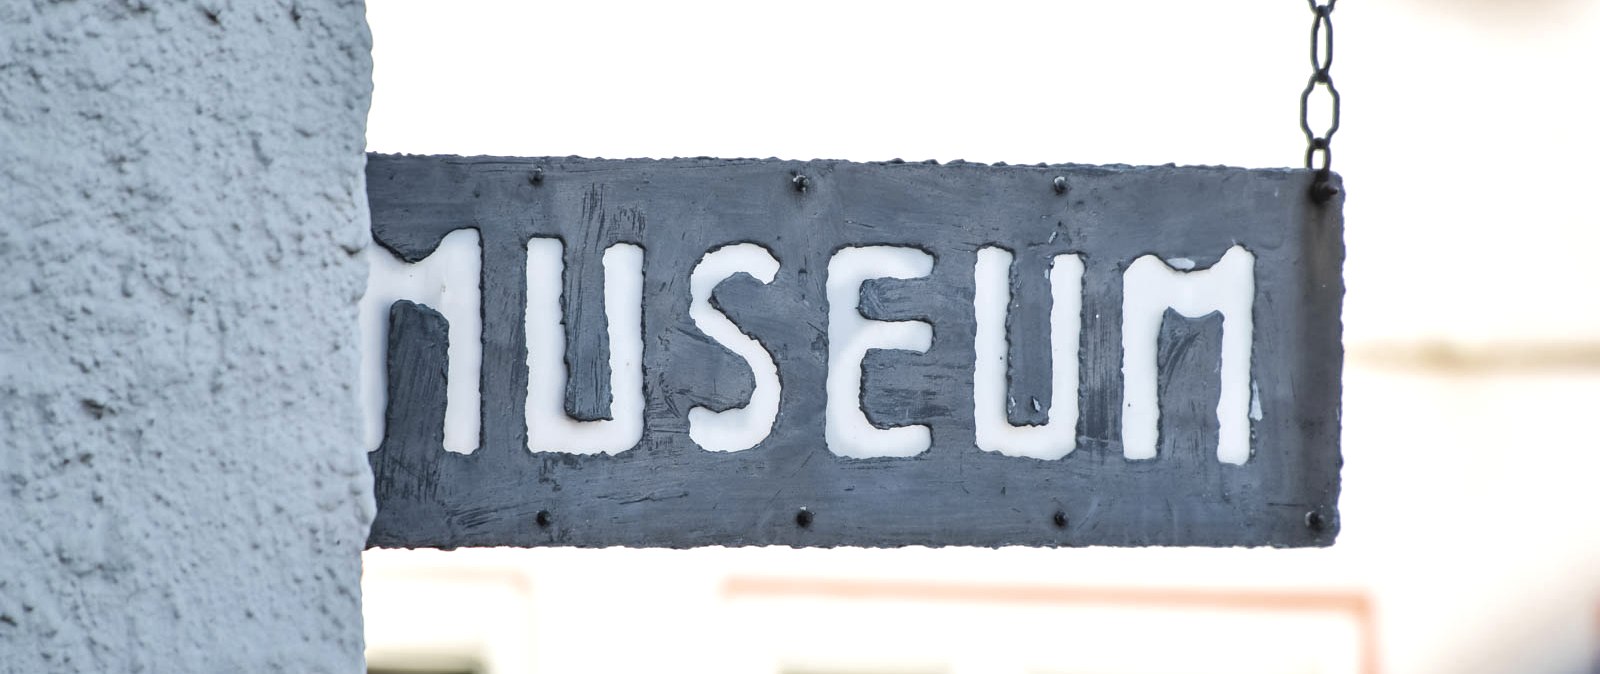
pixel 667 490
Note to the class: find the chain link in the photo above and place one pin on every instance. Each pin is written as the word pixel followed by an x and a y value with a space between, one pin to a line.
pixel 1321 63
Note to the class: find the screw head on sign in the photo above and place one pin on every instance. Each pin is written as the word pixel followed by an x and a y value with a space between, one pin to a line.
pixel 1322 191
pixel 1315 521
pixel 542 518
pixel 803 518
pixel 1060 519
pixel 801 182
pixel 536 177
pixel 1060 184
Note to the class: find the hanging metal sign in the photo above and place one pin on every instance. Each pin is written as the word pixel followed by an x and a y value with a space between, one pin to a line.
pixel 694 352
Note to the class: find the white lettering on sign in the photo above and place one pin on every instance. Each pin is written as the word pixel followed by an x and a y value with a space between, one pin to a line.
pixel 1149 288
pixel 448 282
pixel 991 302
pixel 851 335
pixel 549 427
pixel 744 427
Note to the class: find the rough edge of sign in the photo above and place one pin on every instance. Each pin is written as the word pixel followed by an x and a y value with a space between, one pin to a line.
pixel 1089 168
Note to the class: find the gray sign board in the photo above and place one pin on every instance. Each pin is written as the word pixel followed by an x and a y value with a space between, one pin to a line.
pixel 811 478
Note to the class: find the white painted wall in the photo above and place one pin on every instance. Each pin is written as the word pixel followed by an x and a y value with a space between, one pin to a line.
pixel 182 208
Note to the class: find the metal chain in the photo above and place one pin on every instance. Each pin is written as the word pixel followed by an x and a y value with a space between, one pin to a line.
pixel 1322 188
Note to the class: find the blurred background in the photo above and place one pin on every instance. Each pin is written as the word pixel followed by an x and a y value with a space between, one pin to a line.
pixel 1471 502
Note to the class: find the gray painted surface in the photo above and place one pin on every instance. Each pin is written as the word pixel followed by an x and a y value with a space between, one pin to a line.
pixel 668 492
pixel 182 486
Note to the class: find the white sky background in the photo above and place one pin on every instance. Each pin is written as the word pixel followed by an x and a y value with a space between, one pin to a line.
pixel 1088 81
pixel 1469 149
pixel 1468 140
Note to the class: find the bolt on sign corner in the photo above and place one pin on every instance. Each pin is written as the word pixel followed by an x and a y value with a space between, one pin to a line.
pixel 689 352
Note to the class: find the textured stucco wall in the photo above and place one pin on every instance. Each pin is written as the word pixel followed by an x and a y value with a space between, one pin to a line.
pixel 182 481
